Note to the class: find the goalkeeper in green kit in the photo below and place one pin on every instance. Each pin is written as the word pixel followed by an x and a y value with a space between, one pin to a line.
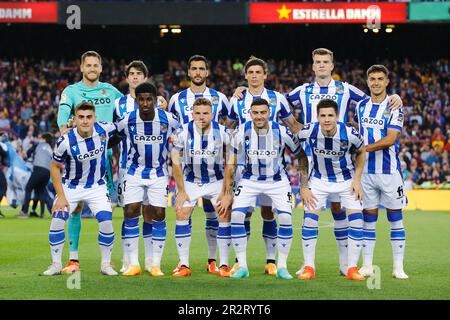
pixel 102 95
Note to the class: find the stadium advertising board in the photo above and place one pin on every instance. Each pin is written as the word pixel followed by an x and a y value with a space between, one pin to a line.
pixel 298 12
pixel 429 11
pixel 25 12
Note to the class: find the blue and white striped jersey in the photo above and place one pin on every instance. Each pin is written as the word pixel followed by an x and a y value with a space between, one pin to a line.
pixel 240 108
pixel 332 156
pixel 84 158
pixel 149 142
pixel 263 154
pixel 203 154
pixel 181 104
pixel 307 96
pixel 122 106
pixel 374 122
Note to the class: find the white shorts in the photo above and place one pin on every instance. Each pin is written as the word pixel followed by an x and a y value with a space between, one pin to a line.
pixel 383 189
pixel 342 191
pixel 120 179
pixel 264 200
pixel 155 191
pixel 208 191
pixel 97 198
pixel 278 192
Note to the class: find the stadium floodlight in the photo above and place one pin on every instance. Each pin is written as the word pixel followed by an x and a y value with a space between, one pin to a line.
pixel 390 28
pixel 164 30
pixel 375 30
pixel 175 30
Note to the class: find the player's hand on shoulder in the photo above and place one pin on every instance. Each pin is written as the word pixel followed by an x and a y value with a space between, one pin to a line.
pixel 395 102
pixel 162 103
pixel 238 93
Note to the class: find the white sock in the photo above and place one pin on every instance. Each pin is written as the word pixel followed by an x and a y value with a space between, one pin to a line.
pixel 239 237
pixel 369 238
pixel 398 238
pixel 355 235
pixel 159 233
pixel 183 240
pixel 126 255
pixel 270 238
pixel 211 227
pixel 284 239
pixel 340 234
pixel 106 240
pixel 310 233
pixel 57 238
pixel 131 239
pixel 224 242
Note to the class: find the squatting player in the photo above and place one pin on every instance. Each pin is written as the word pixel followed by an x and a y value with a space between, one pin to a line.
pixel 83 152
pixel 381 179
pixel 256 73
pixel 335 173
pixel 262 142
pixel 200 145
pixel 306 97
pixel 148 129
pixel 102 95
pixel 181 104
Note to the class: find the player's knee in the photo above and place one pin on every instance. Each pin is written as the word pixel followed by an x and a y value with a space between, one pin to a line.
pixel 284 218
pixel 63 215
pixel 266 212
pixel 335 207
pixel 132 210
pixel 159 214
pixel 370 211
pixel 184 214
pixel 103 216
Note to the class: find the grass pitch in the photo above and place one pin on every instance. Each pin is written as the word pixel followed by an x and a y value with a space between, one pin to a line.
pixel 24 253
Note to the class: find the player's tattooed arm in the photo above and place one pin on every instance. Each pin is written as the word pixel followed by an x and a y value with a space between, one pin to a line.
pixel 177 172
pixel 61 203
pixel 360 158
pixel 308 198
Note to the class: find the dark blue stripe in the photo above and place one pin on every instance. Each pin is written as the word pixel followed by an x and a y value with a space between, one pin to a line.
pixel 78 166
pixel 328 161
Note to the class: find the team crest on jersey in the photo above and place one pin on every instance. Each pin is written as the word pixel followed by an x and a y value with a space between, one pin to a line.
pixel 63 98
pixel 272 101
pixel 339 88
pixel 387 113
pixel 103 92
pixel 344 144
pixel 163 128
pixel 102 137
pixel 214 99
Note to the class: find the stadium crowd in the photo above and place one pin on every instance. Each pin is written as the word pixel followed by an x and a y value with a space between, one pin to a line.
pixel 30 91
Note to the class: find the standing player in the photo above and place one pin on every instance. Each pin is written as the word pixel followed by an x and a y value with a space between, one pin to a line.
pixel 102 95
pixel 148 129
pixel 334 173
pixel 83 151
pixel 136 72
pixel 256 74
pixel 181 104
pixel 306 97
pixel 382 179
pixel 262 142
pixel 200 143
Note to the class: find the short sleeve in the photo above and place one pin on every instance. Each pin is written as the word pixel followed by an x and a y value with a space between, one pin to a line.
pixel 174 123
pixel 178 139
pixel 291 141
pixel 236 140
pixel 233 115
pixel 109 127
pixel 356 95
pixel 224 106
pixel 355 138
pixel 304 134
pixel 285 110
pixel 396 120
pixel 121 124
pixel 172 108
pixel 60 150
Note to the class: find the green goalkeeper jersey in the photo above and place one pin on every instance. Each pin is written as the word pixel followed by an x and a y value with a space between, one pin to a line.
pixel 102 96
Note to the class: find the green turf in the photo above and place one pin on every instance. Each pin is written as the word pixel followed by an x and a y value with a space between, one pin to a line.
pixel 24 253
